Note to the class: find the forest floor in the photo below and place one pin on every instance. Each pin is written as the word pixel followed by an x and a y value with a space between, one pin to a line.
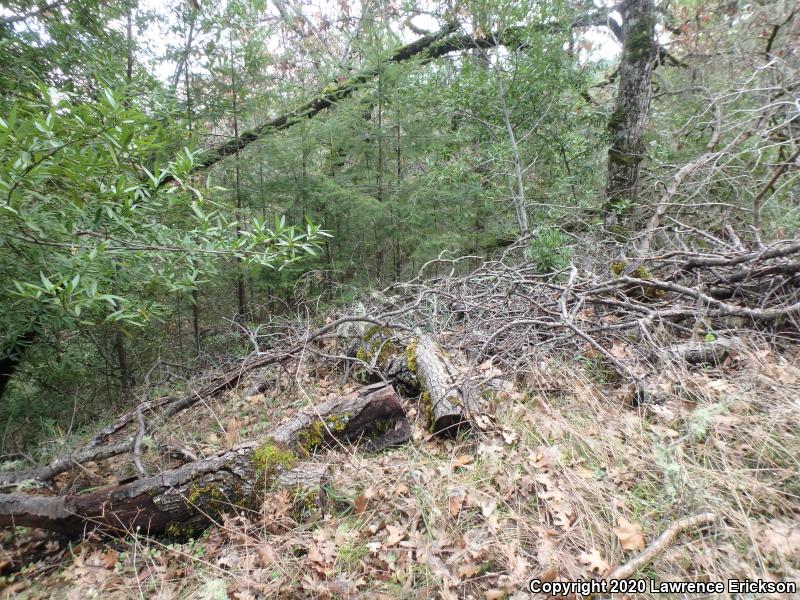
pixel 566 483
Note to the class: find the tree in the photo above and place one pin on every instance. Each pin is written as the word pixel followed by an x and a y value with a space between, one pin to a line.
pixel 89 232
pixel 627 122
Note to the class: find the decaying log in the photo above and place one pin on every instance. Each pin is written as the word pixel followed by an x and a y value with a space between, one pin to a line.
pixel 164 408
pixel 380 351
pixel 448 405
pixel 696 353
pixel 418 368
pixel 183 499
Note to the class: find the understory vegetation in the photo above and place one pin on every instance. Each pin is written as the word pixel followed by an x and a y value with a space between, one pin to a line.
pixel 397 299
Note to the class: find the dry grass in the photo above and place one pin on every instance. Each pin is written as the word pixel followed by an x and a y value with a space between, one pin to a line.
pixel 540 494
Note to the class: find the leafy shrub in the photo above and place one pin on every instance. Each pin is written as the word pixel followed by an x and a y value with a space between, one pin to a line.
pixel 549 250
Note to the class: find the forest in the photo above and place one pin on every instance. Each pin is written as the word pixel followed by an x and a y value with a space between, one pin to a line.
pixel 376 299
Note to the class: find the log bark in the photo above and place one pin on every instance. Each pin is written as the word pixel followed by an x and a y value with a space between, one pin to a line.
pixel 191 496
pixel 448 405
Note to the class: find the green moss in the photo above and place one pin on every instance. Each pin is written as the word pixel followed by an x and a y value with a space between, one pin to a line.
pixel 313 436
pixel 640 272
pixel 377 345
pixel 639 43
pixel 615 119
pixel 411 357
pixel 183 531
pixel 625 156
pixel 270 457
pixel 202 495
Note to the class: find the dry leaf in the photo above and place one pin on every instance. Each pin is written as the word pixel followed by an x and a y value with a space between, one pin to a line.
pixel 461 460
pixel 232 432
pixel 109 558
pixel 395 534
pixel 595 561
pixel 630 535
pixel 360 504
pixel 468 571
pixel 456 501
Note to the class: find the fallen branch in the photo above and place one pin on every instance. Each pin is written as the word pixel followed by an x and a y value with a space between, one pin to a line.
pixel 190 496
pixel 165 408
pixel 660 544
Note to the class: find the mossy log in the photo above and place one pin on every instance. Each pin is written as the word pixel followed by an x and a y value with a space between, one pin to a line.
pixel 421 368
pixel 449 406
pixel 384 353
pixel 185 499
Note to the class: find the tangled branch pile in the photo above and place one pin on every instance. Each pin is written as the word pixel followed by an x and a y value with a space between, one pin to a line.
pixel 623 315
pixel 506 310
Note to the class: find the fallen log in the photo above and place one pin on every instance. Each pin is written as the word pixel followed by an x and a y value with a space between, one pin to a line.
pixel 448 406
pixel 697 353
pixel 182 500
pixel 420 368
pixel 163 408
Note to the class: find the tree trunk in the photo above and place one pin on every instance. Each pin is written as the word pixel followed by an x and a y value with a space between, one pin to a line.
pixel 181 500
pixel 240 290
pixel 11 357
pixel 627 122
pixel 448 406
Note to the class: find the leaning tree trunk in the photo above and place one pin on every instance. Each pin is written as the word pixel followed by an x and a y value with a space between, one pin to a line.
pixel 181 500
pixel 627 122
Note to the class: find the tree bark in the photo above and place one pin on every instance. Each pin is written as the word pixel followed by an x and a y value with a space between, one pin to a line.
pixel 449 406
pixel 189 497
pixel 627 121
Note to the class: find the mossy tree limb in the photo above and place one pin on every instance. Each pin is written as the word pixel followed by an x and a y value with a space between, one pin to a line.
pixel 189 497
